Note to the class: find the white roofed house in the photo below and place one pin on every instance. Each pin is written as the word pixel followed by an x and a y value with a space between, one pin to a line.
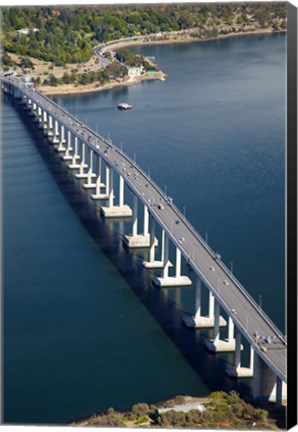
pixel 26 31
pixel 135 71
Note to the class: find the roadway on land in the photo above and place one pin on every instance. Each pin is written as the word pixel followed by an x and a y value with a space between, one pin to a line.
pixel 234 299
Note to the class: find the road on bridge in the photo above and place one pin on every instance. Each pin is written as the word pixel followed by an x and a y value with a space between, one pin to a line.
pixel 234 299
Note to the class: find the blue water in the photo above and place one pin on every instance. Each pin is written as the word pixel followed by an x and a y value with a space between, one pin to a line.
pixel 84 329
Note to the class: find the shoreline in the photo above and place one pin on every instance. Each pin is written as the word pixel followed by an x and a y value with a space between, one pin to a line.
pixel 67 89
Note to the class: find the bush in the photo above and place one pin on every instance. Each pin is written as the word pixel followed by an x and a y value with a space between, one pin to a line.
pixel 140 409
pixel 172 418
pixel 193 417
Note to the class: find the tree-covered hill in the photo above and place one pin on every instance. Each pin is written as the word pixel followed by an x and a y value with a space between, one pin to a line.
pixel 67 34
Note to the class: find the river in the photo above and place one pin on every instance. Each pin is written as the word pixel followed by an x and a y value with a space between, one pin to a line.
pixel 84 329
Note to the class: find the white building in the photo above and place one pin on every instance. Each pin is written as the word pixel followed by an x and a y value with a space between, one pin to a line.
pixel 135 71
pixel 26 31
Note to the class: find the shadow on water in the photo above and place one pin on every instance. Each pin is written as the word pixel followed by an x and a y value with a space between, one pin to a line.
pixel 107 235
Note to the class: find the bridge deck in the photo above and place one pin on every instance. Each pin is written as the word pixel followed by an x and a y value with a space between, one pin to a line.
pixel 235 300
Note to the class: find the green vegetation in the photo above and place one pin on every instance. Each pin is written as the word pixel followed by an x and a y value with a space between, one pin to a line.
pixel 222 410
pixel 114 71
pixel 131 59
pixel 68 34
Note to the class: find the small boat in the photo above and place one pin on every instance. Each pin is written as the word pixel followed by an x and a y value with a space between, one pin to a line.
pixel 124 106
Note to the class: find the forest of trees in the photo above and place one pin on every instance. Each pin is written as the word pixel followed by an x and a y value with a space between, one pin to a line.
pixel 68 34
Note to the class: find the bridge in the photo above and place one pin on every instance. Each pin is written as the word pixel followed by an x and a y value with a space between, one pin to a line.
pixel 96 161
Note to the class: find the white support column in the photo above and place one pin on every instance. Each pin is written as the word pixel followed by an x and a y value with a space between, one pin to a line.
pixel 111 192
pixel 266 385
pixel 68 149
pixel 136 240
pixel 171 281
pixel 231 330
pixel 238 371
pixel 216 321
pixel 165 272
pixel 44 120
pixel 56 133
pixel 121 191
pixel 116 211
pixel 74 164
pixel 32 109
pixel 50 126
pixel 178 262
pixel 28 105
pixel 146 221
pixel 211 304
pixel 82 165
pixel 107 180
pixel 237 357
pixel 151 263
pixel 252 357
pixel 39 117
pixel 199 321
pixel 97 195
pixel 134 215
pixel 216 344
pixel 198 298
pixel 90 174
pixel 163 235
pixel 152 239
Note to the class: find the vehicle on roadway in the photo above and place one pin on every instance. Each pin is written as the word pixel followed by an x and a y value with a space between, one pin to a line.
pixel 161 206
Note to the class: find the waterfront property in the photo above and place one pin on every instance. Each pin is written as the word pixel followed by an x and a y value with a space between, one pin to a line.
pixel 75 141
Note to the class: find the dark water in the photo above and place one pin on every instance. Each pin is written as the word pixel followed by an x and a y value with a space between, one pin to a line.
pixel 84 329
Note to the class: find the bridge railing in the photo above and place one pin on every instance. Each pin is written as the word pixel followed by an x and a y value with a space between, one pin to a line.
pixel 178 212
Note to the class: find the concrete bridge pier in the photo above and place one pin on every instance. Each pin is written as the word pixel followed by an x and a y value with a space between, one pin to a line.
pixel 82 165
pixel 266 385
pixel 221 345
pixel 171 281
pixel 238 371
pixel 152 263
pixel 120 210
pixel 44 125
pixel 50 131
pixel 28 104
pixel 136 240
pixel 32 111
pixel 197 320
pixel 68 141
pixel 55 139
pixel 69 156
pixel 90 174
pixel 38 116
pixel 97 195
pixel 23 99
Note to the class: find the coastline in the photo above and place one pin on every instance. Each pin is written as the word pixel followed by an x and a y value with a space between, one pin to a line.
pixel 70 89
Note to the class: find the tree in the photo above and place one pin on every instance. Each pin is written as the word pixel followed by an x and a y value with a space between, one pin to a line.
pixel 26 63
pixel 53 81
